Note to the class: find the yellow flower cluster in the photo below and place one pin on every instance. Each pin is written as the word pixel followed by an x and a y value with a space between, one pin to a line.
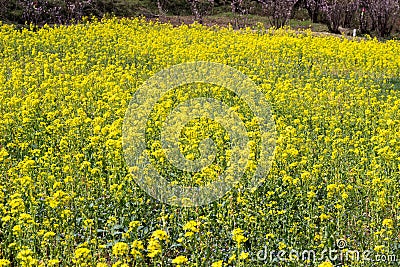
pixel 68 198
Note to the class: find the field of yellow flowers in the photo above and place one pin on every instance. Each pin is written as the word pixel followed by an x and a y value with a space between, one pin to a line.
pixel 67 198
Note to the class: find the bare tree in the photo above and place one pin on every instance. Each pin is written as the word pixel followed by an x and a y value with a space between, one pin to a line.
pixel 339 13
pixel 74 9
pixel 383 15
pixel 200 8
pixel 241 8
pixel 161 6
pixel 3 8
pixel 53 11
pixel 313 8
pixel 278 11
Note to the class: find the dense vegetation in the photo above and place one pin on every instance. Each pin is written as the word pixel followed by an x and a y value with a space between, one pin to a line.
pixel 67 198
